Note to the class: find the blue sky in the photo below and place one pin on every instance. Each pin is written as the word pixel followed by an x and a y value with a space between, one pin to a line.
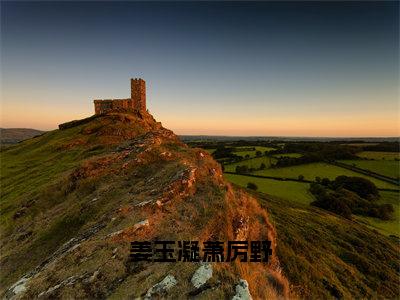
pixel 230 68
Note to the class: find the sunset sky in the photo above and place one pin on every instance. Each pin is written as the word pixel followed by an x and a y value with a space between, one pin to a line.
pixel 222 68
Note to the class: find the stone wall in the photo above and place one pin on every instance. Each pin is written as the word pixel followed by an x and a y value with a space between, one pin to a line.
pixel 137 102
pixel 104 106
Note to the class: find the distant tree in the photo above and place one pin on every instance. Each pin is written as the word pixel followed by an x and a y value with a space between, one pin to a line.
pixel 317 189
pixel 252 186
pixel 247 156
pixel 333 204
pixel 345 202
pixel 300 177
pixel 325 181
pixel 222 152
pixel 242 169
pixel 258 153
pixel 262 166
pixel 361 186
pixel 318 179
pixel 385 211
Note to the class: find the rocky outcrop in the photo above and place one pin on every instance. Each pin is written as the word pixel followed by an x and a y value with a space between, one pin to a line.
pixel 142 185
pixel 202 274
pixel 161 288
pixel 242 291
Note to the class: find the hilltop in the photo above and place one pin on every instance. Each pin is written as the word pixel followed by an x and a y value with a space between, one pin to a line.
pixel 74 199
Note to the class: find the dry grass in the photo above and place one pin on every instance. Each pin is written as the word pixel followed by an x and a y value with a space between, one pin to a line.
pixel 137 161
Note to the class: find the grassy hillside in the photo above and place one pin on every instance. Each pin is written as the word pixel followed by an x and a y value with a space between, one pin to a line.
pixel 10 136
pixel 325 256
pixel 299 192
pixel 391 227
pixel 74 199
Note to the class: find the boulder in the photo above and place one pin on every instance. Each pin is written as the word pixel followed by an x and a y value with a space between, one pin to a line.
pixel 242 291
pixel 161 288
pixel 201 275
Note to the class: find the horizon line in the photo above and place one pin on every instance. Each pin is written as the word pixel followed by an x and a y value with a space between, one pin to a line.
pixel 251 136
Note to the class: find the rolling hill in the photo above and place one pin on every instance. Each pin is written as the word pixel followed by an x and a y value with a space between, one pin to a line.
pixel 74 199
pixel 11 136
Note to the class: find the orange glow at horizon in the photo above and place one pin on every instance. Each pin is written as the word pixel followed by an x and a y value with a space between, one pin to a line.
pixel 309 127
pixel 47 118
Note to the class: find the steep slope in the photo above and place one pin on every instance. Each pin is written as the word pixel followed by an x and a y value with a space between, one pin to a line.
pixel 74 199
pixel 325 255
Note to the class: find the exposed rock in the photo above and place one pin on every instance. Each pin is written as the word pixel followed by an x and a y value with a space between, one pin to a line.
pixel 135 227
pixel 72 244
pixel 141 224
pixel 69 281
pixel 166 189
pixel 144 203
pixel 241 228
pixel 114 253
pixel 94 276
pixel 49 291
pixel 205 287
pixel 17 288
pixel 115 233
pixel 242 291
pixel 201 275
pixel 161 288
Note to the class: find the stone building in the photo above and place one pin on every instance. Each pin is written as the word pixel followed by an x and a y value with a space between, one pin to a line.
pixel 137 101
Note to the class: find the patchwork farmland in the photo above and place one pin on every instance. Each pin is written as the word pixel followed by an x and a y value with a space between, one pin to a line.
pixel 286 171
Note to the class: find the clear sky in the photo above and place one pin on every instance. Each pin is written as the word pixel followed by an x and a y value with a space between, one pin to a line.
pixel 218 68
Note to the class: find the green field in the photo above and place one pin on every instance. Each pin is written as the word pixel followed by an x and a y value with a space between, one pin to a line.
pixel 290 190
pixel 295 155
pixel 360 144
pixel 298 192
pixel 386 227
pixel 310 171
pixel 251 163
pixel 379 155
pixel 389 168
pixel 210 150
pixel 244 152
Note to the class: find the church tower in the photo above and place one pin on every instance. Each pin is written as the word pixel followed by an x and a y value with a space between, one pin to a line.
pixel 138 94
